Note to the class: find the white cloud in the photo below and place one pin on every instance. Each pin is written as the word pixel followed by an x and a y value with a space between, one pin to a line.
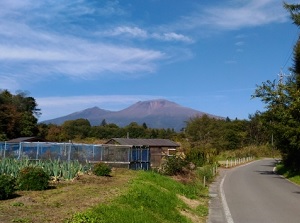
pixel 29 48
pixel 136 32
pixel 71 56
pixel 238 14
pixel 126 30
pixel 112 8
pixel 240 43
pixel 172 36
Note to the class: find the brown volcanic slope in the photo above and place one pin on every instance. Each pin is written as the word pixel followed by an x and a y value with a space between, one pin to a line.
pixel 155 113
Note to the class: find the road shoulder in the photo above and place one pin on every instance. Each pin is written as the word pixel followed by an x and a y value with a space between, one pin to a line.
pixel 216 211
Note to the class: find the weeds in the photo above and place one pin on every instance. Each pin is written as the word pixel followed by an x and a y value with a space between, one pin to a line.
pixel 101 169
pixel 250 151
pixel 151 198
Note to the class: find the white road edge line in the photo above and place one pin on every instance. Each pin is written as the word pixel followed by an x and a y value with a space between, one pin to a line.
pixel 224 202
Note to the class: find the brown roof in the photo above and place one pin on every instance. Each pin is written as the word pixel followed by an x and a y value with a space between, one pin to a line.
pixel 26 139
pixel 143 142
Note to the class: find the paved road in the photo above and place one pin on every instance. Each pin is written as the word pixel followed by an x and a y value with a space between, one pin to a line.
pixel 255 194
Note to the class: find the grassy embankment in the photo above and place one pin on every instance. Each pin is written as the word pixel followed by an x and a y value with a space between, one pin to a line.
pixel 152 198
pixel 126 196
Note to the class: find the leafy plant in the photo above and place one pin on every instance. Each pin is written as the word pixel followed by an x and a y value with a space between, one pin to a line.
pixel 207 172
pixel 7 186
pixel 17 204
pixel 174 165
pixel 101 169
pixel 196 156
pixel 33 178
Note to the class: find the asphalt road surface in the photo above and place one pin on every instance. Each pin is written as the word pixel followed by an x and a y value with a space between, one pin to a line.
pixel 254 194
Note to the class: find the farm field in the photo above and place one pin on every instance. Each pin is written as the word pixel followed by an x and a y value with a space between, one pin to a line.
pixel 125 196
pixel 64 198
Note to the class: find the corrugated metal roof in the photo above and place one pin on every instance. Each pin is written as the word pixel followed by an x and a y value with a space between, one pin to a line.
pixel 144 142
pixel 27 139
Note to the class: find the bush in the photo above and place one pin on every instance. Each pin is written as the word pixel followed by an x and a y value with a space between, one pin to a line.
pixel 196 156
pixel 33 178
pixel 174 165
pixel 207 172
pixel 101 169
pixel 7 186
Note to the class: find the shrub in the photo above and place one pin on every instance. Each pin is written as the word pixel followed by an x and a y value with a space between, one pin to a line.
pixel 33 178
pixel 101 169
pixel 174 165
pixel 196 156
pixel 7 186
pixel 206 171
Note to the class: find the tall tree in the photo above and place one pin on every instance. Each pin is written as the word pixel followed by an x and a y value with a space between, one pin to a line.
pixel 18 115
pixel 76 128
pixel 294 10
pixel 283 105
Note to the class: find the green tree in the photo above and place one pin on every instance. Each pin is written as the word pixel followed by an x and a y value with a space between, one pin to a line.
pixel 282 100
pixel 294 10
pixel 135 130
pixel 55 133
pixel 106 132
pixel 145 125
pixel 76 128
pixel 202 131
pixel 18 115
pixel 103 123
pixel 258 132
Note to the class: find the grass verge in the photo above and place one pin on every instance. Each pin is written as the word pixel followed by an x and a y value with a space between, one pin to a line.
pixel 291 175
pixel 152 198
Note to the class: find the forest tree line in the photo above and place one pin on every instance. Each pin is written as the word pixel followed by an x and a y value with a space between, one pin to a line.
pixel 19 118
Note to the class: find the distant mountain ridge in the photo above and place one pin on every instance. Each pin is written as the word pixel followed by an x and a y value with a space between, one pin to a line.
pixel 158 113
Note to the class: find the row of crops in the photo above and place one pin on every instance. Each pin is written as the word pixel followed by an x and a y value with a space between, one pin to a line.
pixel 56 169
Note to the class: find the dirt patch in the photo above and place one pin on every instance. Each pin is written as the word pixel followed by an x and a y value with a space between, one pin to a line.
pixel 64 199
pixel 193 217
pixel 193 204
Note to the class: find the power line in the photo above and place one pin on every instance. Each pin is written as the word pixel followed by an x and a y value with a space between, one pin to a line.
pixel 296 38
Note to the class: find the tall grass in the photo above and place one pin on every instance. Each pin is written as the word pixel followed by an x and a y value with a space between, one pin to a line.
pixel 254 151
pixel 150 198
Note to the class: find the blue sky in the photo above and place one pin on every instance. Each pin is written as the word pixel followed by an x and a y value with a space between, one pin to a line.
pixel 207 55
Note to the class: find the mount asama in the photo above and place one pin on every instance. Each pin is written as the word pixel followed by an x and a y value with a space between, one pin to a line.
pixel 155 113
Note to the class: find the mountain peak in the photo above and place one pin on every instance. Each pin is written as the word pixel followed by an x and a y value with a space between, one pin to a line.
pixel 158 113
pixel 154 104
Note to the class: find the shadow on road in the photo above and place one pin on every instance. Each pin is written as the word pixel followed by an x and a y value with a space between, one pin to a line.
pixel 264 172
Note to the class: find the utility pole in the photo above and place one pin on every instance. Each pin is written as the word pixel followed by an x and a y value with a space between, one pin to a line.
pixel 281 76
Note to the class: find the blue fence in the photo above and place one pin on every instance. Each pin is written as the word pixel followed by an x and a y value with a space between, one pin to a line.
pixel 133 157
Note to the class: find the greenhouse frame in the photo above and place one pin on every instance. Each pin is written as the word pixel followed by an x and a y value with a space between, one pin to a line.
pixel 126 156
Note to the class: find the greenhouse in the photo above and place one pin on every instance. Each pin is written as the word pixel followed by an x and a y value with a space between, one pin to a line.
pixel 132 157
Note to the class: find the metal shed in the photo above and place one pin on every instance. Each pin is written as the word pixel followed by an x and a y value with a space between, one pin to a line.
pixel 159 149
